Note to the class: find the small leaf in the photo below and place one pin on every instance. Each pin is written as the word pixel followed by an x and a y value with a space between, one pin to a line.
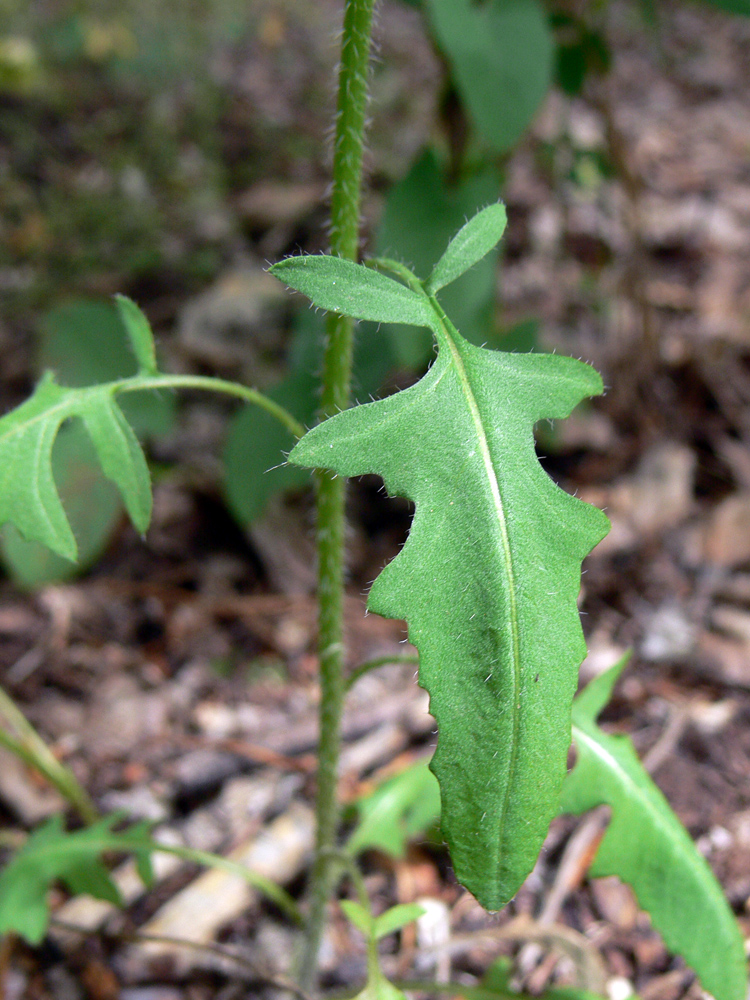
pixel 51 854
pixel 139 331
pixel 646 846
pixel 28 493
pixel 590 702
pixel 421 214
pixel 469 245
pixel 359 916
pixel 84 342
pixel 395 918
pixel 341 286
pixel 401 809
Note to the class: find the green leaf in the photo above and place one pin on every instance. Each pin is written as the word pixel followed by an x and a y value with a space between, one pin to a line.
pixel 487 580
pixel 28 494
pixel 91 503
pixel 646 846
pixel 395 918
pixel 501 54
pixel 255 465
pixel 378 988
pixel 472 242
pixel 51 854
pixel 85 343
pixel 359 916
pixel 590 702
pixel 421 214
pixel 401 809
pixel 497 985
pixel 341 286
pixel 731 6
pixel 139 331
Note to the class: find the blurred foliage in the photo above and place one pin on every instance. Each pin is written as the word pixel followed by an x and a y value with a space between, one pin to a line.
pixel 128 129
pixel 115 158
pixel 85 343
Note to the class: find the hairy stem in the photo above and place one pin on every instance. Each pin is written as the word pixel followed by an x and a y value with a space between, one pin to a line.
pixel 337 364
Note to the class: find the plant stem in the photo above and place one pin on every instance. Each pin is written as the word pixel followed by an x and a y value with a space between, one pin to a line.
pixel 381 661
pixel 29 747
pixel 136 383
pixel 337 364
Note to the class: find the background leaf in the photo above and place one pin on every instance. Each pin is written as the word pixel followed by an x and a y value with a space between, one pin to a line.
pixel 401 809
pixel 488 590
pixel 255 466
pixel 421 214
pixel 378 988
pixel 395 918
pixel 501 54
pixel 646 846
pixel 85 343
pixel 51 854
pixel 91 503
pixel 28 493
pixel 731 6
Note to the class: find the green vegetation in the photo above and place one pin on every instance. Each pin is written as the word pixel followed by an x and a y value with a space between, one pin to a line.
pixel 488 579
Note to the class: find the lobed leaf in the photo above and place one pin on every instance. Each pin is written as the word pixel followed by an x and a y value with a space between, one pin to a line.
pixel 28 494
pixel 341 286
pixel 646 846
pixel 487 580
pixel 472 242
pixel 51 854
pixel 92 505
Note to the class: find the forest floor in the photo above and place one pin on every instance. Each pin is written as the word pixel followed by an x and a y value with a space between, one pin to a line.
pixel 177 676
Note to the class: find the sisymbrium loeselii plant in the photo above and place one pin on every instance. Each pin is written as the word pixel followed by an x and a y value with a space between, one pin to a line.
pixel 487 581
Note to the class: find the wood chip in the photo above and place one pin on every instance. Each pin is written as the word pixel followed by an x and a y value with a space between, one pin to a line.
pixel 727 539
pixel 216 897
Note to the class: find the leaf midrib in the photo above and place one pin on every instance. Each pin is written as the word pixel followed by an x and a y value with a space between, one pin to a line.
pixel 445 332
pixel 647 804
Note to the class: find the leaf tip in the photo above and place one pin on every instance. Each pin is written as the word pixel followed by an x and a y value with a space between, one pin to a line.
pixel 139 334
